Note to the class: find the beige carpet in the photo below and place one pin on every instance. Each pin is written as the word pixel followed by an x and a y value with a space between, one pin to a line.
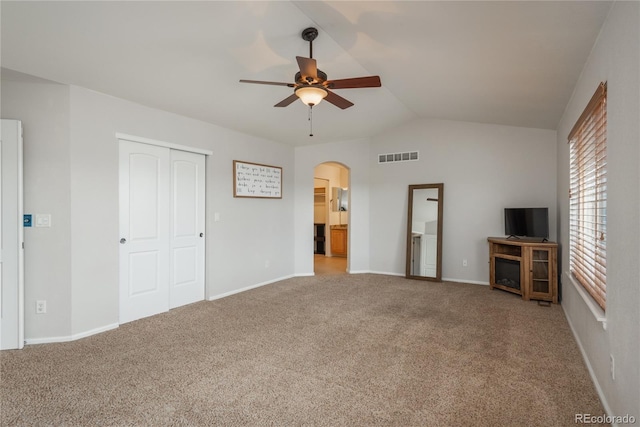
pixel 357 350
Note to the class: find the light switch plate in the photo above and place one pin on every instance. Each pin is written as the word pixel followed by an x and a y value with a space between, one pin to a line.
pixel 43 220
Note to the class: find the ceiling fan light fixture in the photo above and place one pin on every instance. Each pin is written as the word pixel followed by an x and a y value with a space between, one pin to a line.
pixel 311 95
pixel 311 85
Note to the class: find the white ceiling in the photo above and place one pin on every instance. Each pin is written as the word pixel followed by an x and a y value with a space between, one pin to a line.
pixel 512 63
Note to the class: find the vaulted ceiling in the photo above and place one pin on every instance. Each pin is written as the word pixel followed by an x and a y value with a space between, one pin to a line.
pixel 511 63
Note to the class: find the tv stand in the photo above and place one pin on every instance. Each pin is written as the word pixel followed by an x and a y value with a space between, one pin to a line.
pixel 526 267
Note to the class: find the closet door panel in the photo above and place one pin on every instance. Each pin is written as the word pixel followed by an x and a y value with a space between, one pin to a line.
pixel 187 227
pixel 144 230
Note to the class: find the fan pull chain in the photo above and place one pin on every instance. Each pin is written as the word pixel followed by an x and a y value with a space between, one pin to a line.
pixel 310 120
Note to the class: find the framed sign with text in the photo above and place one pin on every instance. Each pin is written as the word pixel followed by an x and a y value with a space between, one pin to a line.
pixel 256 180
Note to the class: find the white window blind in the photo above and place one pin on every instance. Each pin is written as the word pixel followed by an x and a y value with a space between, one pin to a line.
pixel 588 197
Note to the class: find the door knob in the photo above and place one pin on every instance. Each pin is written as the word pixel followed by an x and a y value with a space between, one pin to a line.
pixel 123 241
pixel 201 234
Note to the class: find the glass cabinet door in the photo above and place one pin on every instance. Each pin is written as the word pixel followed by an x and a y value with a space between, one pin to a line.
pixel 540 271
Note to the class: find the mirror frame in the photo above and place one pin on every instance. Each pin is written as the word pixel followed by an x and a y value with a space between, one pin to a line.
pixel 440 188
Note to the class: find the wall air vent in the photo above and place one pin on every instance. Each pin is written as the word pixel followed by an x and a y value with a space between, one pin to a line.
pixel 409 156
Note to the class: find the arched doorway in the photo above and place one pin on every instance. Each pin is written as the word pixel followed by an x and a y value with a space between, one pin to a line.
pixel 331 218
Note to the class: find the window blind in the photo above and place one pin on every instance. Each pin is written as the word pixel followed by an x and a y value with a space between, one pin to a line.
pixel 588 197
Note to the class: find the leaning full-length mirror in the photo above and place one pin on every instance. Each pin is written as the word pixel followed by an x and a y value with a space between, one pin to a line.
pixel 424 232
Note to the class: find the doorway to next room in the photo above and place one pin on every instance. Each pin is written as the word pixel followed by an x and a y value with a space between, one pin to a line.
pixel 331 218
pixel 324 265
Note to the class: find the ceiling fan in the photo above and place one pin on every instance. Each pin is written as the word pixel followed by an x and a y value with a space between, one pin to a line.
pixel 311 85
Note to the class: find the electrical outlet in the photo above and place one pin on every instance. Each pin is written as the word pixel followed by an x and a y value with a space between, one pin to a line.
pixel 613 367
pixel 41 307
pixel 464 262
pixel 267 264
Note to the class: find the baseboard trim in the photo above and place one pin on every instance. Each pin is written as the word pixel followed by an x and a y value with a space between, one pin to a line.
pixel 444 279
pixel 473 282
pixel 352 272
pixel 50 340
pixel 359 272
pixel 592 374
pixel 237 291
pixel 385 273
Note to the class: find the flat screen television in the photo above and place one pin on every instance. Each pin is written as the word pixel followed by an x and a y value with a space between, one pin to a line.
pixel 527 222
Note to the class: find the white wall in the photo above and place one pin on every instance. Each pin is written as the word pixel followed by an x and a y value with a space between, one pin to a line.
pixel 354 155
pixel 484 168
pixel 71 171
pixel 43 107
pixel 615 59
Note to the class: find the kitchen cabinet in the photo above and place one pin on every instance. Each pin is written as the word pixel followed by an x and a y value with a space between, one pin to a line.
pixel 339 241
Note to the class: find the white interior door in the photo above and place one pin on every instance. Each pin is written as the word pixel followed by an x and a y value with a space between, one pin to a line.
pixel 11 237
pixel 144 230
pixel 187 228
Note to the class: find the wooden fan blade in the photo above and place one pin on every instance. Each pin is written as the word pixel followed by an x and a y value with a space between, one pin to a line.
pixel 354 83
pixel 259 82
pixel 287 101
pixel 308 68
pixel 337 100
